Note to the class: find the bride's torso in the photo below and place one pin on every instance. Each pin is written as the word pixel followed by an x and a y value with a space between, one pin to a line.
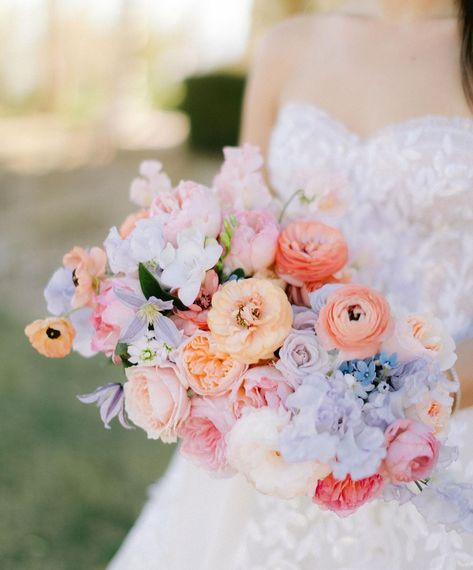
pixel 408 194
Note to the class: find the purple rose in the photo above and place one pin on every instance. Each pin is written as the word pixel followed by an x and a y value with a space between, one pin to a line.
pixel 302 355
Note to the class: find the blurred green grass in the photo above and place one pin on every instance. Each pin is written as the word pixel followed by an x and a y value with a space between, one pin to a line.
pixel 69 489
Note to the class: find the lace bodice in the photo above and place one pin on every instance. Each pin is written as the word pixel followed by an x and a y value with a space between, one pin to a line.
pixel 410 202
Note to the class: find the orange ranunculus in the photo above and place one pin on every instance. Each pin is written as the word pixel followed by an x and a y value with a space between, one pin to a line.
pixel 356 319
pixel 88 268
pixel 250 319
pixel 345 497
pixel 208 371
pixel 129 223
pixel 309 252
pixel 51 337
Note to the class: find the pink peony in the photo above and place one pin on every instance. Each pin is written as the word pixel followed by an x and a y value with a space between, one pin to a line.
pixel 190 205
pixel 156 401
pixel 261 386
pixel 254 241
pixel 240 183
pixel 345 497
pixel 110 318
pixel 412 451
pixel 204 433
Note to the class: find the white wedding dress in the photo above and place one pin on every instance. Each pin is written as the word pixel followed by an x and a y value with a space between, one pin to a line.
pixel 412 197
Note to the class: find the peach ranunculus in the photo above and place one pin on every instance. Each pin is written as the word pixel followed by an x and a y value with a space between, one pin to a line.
pixel 250 319
pixel 129 223
pixel 419 335
pixel 355 320
pixel 345 497
pixel 51 337
pixel 412 451
pixel 310 252
pixel 195 318
pixel 254 241
pixel 208 371
pixel 156 400
pixel 87 270
pixel 261 386
pixel 204 433
pixel 190 205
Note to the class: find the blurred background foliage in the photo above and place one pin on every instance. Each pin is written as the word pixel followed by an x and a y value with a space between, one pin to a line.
pixel 88 89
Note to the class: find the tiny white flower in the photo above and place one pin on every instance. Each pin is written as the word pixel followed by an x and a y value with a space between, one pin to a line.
pixel 145 352
pixel 185 266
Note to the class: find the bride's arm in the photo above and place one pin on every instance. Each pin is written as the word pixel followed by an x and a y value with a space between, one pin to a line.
pixel 464 368
pixel 270 72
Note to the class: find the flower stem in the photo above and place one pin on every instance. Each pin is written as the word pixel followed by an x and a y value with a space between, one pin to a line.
pixel 289 202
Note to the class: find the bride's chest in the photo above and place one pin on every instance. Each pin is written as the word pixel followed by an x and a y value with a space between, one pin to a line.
pixel 420 171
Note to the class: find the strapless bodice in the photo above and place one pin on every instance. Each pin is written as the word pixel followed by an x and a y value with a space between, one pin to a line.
pixel 409 194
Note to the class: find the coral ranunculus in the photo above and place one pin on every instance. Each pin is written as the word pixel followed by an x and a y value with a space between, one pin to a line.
pixel 208 371
pixel 309 252
pixel 250 319
pixel 51 337
pixel 345 497
pixel 355 320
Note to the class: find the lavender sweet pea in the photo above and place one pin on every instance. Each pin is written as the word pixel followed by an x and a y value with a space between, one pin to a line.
pixel 110 400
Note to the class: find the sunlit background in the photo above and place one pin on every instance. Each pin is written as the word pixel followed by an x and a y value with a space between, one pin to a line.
pixel 88 89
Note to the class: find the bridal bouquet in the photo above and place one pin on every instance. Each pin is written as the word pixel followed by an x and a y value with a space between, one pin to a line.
pixel 243 336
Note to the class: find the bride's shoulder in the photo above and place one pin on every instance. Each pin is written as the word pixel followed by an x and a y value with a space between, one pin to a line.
pixel 285 40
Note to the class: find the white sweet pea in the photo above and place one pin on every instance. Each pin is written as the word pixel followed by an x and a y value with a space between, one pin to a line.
pixel 144 244
pixel 185 266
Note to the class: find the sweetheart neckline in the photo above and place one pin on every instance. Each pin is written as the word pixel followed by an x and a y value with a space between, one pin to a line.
pixel 457 121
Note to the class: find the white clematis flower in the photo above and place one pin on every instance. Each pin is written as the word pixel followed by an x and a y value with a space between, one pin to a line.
pixel 185 266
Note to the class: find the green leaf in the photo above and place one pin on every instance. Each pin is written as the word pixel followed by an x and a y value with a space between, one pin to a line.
pixel 121 350
pixel 238 273
pixel 152 288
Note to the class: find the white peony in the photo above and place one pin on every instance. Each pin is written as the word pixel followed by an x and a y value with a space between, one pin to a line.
pixel 253 449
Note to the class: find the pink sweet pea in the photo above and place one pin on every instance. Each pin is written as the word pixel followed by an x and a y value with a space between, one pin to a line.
pixel 412 451
pixel 204 433
pixel 254 241
pixel 240 183
pixel 110 318
pixel 190 205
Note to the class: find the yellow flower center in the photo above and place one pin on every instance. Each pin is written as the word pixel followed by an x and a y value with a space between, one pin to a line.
pixel 248 313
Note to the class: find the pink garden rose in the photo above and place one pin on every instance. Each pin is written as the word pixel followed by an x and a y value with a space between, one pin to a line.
pixel 412 451
pixel 422 336
pixel 261 386
pixel 254 241
pixel 355 320
pixel 345 497
pixel 156 401
pixel 110 318
pixel 190 205
pixel 240 183
pixel 204 433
